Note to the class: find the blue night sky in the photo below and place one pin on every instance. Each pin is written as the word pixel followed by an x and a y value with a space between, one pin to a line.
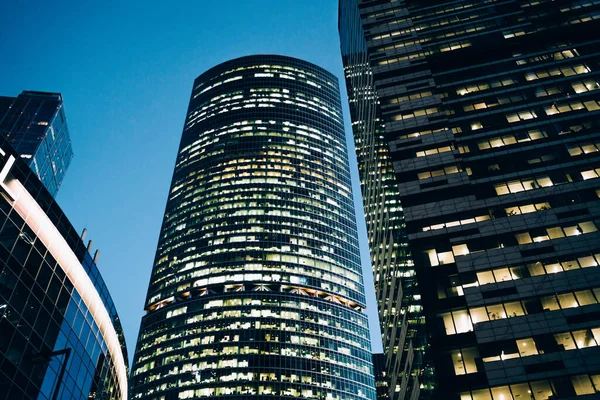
pixel 125 69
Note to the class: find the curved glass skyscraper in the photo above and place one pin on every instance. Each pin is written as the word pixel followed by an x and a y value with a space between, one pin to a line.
pixel 60 334
pixel 256 288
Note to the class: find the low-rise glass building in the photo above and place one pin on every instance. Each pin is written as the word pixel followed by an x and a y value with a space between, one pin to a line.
pixel 60 335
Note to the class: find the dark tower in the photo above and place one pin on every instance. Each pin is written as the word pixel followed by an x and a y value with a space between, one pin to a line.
pixel 476 129
pixel 34 123
pixel 256 288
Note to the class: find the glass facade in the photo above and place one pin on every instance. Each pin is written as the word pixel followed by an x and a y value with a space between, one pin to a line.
pixel 488 115
pixel 401 319
pixel 60 335
pixel 34 123
pixel 381 379
pixel 256 289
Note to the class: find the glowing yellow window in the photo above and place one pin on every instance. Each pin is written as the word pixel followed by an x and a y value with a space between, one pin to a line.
pixel 483 394
pixel 587 262
pixel 596 333
pixel 587 227
pixel 582 385
pixel 565 340
pixel 579 87
pixel 555 232
pixel 512 211
pixel 549 303
pixel 591 174
pixel 584 338
pixel 527 209
pixel 501 189
pixel 462 322
pixel 567 300
pixel 589 148
pixel 525 115
pixel 569 265
pixel 446 258
pixel 515 186
pixel 512 118
pixel 572 230
pixel 544 182
pixel 485 277
pixel 514 309
pixel 527 347
pixel 464 361
pixel 521 391
pixel 553 268
pixel 585 297
pixel 460 250
pixel 502 274
pixel 476 125
pixel 542 390
pixel 483 145
pixel 496 142
pixel 479 314
pixel 523 238
pixel 496 312
pixel 448 323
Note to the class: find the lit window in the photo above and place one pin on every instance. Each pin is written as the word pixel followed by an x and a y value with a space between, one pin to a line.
pixel 567 300
pixel 555 232
pixel 483 394
pixel 460 250
pixel 501 189
pixel 521 391
pixel 585 297
pixel 582 385
pixel 448 324
pixel 565 340
pixel 485 277
pixel 462 321
pixel 584 338
pixel 591 174
pixel 526 347
pixel 515 186
pixel 446 258
pixel 523 238
pixel 464 360
pixel 479 314
pixel 541 390
pixel 549 303
pixel 553 268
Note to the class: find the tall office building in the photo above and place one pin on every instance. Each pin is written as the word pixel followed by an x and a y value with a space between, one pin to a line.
pixel 256 289
pixel 60 335
pixel 477 133
pixel 381 379
pixel 34 123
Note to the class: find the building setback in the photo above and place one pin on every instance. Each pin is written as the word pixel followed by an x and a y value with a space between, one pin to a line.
pixel 60 335
pixel 35 125
pixel 477 134
pixel 256 289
